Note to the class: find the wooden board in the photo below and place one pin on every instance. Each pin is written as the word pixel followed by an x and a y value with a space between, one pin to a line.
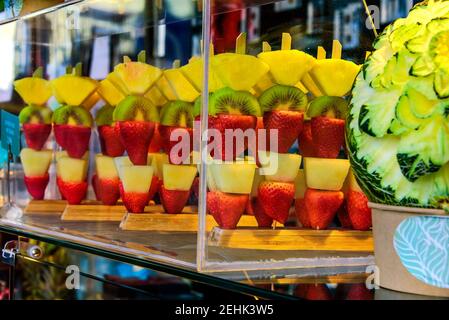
pixel 337 279
pixel 293 239
pixel 45 207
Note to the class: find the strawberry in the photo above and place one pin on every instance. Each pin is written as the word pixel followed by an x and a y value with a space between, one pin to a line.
pixel 95 186
pixel 154 187
pixel 305 141
pixel 173 201
pixel 110 141
pixel 263 220
pixel 322 206
pixel 226 208
pixel 317 291
pixel 254 148
pixel 109 191
pixel 301 213
pixel 156 141
pixel 249 210
pixel 36 186
pixel 289 125
pixel 135 202
pixel 343 216
pixel 359 291
pixel 183 142
pixel 328 136
pixel 358 210
pixel 276 199
pixel 196 188
pixel 60 134
pixel 36 134
pixel 136 137
pixel 73 192
pixel 74 139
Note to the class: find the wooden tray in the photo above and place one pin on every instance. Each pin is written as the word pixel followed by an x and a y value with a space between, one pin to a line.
pixel 45 207
pixel 293 239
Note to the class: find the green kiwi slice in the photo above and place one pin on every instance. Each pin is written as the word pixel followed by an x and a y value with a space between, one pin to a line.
pixel 104 115
pixel 177 113
pixel 331 107
pixel 72 115
pixel 135 108
pixel 229 101
pixel 35 114
pixel 280 97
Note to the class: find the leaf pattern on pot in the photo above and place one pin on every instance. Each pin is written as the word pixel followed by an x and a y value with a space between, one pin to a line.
pixel 422 244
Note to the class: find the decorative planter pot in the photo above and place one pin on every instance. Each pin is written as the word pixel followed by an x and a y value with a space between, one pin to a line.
pixel 411 247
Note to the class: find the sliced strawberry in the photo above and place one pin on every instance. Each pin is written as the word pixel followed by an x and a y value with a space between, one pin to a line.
pixel 196 187
pixel 226 208
pixel 95 186
pixel 343 216
pixel 136 137
pixel 259 145
pixel 317 291
pixel 322 206
pixel 60 134
pixel 263 220
pixel 328 136
pixel 36 134
pixel 154 187
pixel 109 191
pixel 36 186
pixel 358 210
pixel 305 141
pixel 73 192
pixel 156 141
pixel 276 199
pixel 359 291
pixel 111 144
pixel 301 213
pixel 173 201
pixel 135 202
pixel 183 143
pixel 249 210
pixel 289 125
pixel 74 139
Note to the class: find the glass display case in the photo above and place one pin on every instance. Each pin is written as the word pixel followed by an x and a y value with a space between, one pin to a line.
pixel 131 76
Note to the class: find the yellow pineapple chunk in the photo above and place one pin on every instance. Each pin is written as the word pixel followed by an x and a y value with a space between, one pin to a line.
pixel 155 96
pixel 234 177
pixel 73 90
pixel 300 184
pixel 334 77
pixel 109 93
pixel 325 174
pixel 351 183
pixel 121 162
pixel 71 169
pixel 182 88
pixel 136 77
pixel 164 86
pixel 105 167
pixel 157 162
pixel 35 163
pixel 33 90
pixel 91 101
pixel 178 177
pixel 287 66
pixel 136 178
pixel 194 72
pixel 118 84
pixel 280 167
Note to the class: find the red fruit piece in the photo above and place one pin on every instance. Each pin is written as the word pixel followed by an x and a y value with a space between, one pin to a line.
pixel 36 134
pixel 358 210
pixel 317 291
pixel 263 220
pixel 156 141
pixel 305 141
pixel 109 191
pixel 183 142
pixel 226 208
pixel 73 192
pixel 249 210
pixel 343 216
pixel 135 202
pixel 359 291
pixel 36 186
pixel 111 145
pixel 154 187
pixel 136 137
pixel 276 199
pixel 322 206
pixel 301 212
pixel 60 134
pixel 95 186
pixel 289 125
pixel 328 136
pixel 196 187
pixel 173 201
pixel 74 139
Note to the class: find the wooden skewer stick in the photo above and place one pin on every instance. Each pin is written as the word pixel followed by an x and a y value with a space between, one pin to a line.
pixel 286 41
pixel 176 64
pixel 336 49
pixel 240 43
pixel 321 53
pixel 266 47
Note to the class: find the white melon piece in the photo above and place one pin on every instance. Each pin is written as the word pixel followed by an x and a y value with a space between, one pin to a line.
pixel 121 162
pixel 136 178
pixel 106 167
pixel 325 174
pixel 280 167
pixel 233 177
pixel 35 163
pixel 71 169
pixel 157 162
pixel 300 184
pixel 178 177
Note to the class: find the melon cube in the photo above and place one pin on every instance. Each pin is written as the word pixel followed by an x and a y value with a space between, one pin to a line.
pixel 280 167
pixel 178 177
pixel 300 184
pixel 35 163
pixel 351 183
pixel 234 177
pixel 325 174
pixel 106 167
pixel 157 161
pixel 71 169
pixel 136 178
pixel 121 162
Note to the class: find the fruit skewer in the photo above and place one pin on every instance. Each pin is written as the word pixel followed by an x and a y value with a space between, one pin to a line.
pixel 176 187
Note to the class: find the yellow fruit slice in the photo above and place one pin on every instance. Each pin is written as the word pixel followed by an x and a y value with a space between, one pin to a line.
pixel 91 101
pixel 73 90
pixel 287 67
pixel 71 169
pixel 120 163
pixel 239 71
pixel 115 80
pixel 325 174
pixel 181 86
pixel 109 93
pixel 351 183
pixel 157 162
pixel 156 97
pixel 194 72
pixel 233 177
pixel 105 167
pixel 61 154
pixel 136 77
pixel 178 177
pixel 280 167
pixel 334 77
pixel 136 178
pixel 164 86
pixel 33 90
pixel 300 184
pixel 35 163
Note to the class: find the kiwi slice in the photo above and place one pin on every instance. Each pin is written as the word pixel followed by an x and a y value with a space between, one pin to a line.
pixel 74 115
pixel 135 108
pixel 35 114
pixel 177 113
pixel 104 115
pixel 229 101
pixel 332 107
pixel 280 97
pixel 197 105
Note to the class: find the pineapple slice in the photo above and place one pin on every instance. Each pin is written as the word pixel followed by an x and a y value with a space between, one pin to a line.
pixel 300 184
pixel 325 174
pixel 156 97
pixel 157 161
pixel 194 72
pixel 91 101
pixel 258 179
pixel 71 169
pixel 351 183
pixel 234 177
pixel 135 77
pixel 287 66
pixel 105 167
pixel 239 71
pixel 178 177
pixel 181 86
pixel 117 83
pixel 211 185
pixel 121 162
pixel 109 93
pixel 35 163
pixel 334 77
pixel 73 90
pixel 164 86
pixel 61 154
pixel 280 167
pixel 33 90
pixel 136 178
